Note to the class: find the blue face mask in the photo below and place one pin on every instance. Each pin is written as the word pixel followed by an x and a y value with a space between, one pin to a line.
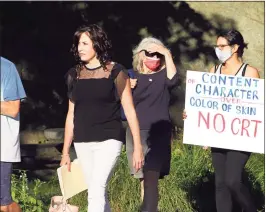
pixel 223 55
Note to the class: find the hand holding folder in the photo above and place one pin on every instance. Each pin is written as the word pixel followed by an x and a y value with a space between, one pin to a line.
pixel 73 182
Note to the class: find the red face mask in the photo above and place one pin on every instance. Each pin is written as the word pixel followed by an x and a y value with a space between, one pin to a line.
pixel 152 64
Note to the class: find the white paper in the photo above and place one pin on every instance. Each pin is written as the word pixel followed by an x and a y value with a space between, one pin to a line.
pixel 73 182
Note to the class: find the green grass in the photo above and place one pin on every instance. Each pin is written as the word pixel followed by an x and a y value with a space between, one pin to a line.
pixel 256 170
pixel 189 187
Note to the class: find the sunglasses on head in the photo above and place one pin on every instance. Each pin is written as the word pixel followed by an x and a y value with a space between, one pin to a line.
pixel 152 54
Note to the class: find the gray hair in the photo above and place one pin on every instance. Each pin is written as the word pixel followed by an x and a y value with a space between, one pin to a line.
pixel 144 44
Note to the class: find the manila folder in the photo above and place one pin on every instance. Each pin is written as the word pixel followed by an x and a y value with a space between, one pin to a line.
pixel 73 182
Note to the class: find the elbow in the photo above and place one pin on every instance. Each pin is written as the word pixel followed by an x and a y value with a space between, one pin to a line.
pixel 14 113
pixel 14 110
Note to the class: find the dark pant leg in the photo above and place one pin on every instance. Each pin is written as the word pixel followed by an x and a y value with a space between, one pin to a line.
pixel 5 184
pixel 151 192
pixel 159 141
pixel 222 192
pixel 235 164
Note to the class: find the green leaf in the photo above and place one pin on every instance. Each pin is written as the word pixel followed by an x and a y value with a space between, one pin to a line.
pixel 32 200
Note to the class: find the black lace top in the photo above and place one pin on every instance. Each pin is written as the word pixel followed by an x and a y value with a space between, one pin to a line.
pixel 97 115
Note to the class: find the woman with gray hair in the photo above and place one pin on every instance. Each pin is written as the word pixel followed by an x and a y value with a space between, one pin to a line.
pixel 155 75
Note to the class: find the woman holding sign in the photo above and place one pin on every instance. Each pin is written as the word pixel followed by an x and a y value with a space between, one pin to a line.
pixel 229 164
pixel 97 87
pixel 155 76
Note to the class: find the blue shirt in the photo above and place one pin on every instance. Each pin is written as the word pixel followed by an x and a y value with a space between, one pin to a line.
pixel 11 89
pixel 11 85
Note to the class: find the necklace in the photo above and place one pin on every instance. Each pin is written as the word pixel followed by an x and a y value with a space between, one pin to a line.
pixel 92 69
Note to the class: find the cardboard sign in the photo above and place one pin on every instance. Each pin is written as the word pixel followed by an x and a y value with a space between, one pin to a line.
pixel 224 111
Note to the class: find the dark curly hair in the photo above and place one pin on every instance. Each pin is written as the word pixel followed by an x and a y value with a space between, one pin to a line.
pixel 234 37
pixel 101 44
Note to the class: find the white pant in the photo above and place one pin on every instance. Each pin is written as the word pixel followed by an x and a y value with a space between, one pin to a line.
pixel 98 160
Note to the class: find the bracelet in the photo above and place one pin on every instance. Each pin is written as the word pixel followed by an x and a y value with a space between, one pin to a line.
pixel 65 155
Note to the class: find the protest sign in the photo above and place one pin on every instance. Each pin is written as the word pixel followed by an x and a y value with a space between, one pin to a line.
pixel 224 111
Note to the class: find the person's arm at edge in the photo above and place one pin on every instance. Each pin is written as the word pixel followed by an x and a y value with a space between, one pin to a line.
pixel 15 92
pixel 124 92
pixel 10 108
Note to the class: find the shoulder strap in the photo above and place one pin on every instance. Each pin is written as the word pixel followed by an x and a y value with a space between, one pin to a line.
pixel 215 68
pixel 218 69
pixel 244 70
pixel 239 69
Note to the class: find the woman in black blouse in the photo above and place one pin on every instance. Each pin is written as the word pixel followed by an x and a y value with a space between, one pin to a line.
pixel 155 75
pixel 95 87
